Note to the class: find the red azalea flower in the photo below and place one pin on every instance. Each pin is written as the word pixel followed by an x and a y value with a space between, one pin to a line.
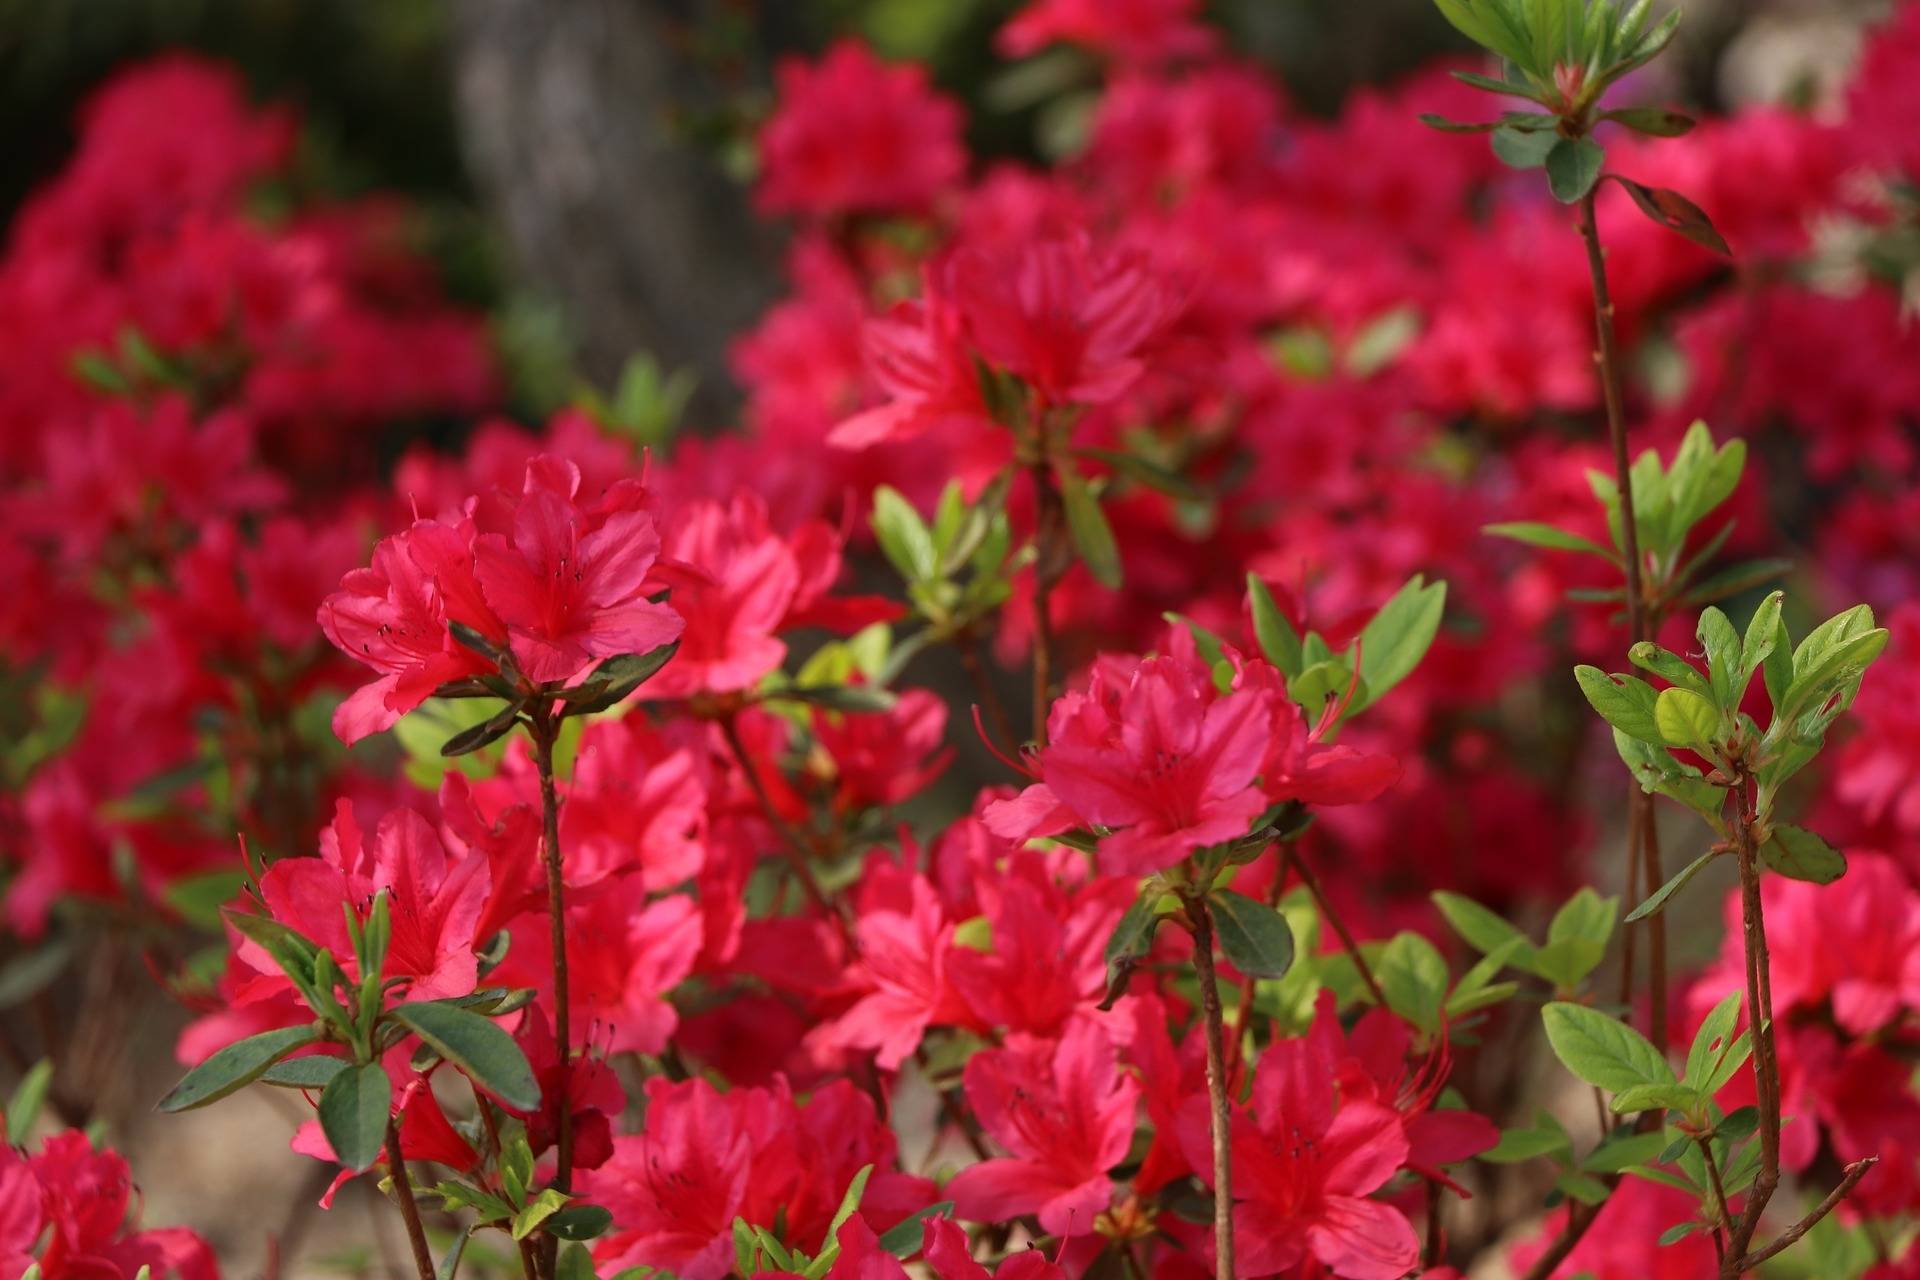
pixel 1065 1112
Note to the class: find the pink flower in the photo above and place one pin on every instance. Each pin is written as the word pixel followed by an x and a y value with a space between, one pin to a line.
pixel 1304 1163
pixel 917 358
pixel 435 900
pixel 903 960
pixel 853 134
pixel 1130 30
pixel 571 582
pixel 393 617
pixel 743 584
pixel 1065 1113
pixel 1152 753
pixel 1073 320
pixel 76 1198
pixel 886 757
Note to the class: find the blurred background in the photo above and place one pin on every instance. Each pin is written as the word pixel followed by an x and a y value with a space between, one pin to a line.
pixel 581 172
pixel 581 168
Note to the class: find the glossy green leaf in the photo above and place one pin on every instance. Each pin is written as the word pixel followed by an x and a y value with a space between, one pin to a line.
pixel 236 1066
pixel 1666 891
pixel 1799 854
pixel 353 1114
pixel 1253 936
pixel 1087 523
pixel 478 1047
pixel 1573 166
pixel 1601 1050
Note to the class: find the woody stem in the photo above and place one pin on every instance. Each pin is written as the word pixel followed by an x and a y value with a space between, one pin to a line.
pixel 1606 358
pixel 1046 535
pixel 1766 1067
pixel 544 729
pixel 1347 940
pixel 793 844
pixel 409 1211
pixel 1202 920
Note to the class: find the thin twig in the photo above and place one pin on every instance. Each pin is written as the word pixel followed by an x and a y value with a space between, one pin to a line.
pixel 1222 1119
pixel 1046 532
pixel 1564 1244
pixel 1791 1236
pixel 1606 358
pixel 967 645
pixel 1339 926
pixel 1724 1216
pixel 1766 1067
pixel 793 845
pixel 409 1211
pixel 544 730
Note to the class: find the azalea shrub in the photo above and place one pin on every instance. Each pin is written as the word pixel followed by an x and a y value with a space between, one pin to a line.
pixel 1257 696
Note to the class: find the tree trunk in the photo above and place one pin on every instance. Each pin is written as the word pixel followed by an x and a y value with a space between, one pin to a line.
pixel 567 114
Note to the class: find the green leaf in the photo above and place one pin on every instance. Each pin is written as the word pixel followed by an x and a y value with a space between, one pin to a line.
pixel 1676 213
pixel 353 1114
pixel 1723 649
pixel 1536 534
pixel 850 1202
pixel 1623 701
pixel 1623 1151
pixel 1092 535
pixel 613 680
pixel 1413 975
pixel 904 538
pixel 575 1262
pixel 580 1222
pixel 1586 916
pixel 315 1071
pixel 1799 854
pixel 1573 166
pixel 1712 1044
pixel 1669 666
pixel 1483 930
pixel 1603 1051
pixel 1654 1097
pixel 537 1211
pixel 1680 1231
pixel 1583 1187
pixel 1397 637
pixel 1685 719
pixel 857 699
pixel 1253 936
pixel 1522 148
pixel 1516 1145
pixel 905 1238
pixel 1763 630
pixel 449 1264
pixel 33 971
pixel 23 1108
pixel 478 1047
pixel 1129 944
pixel 489 730
pixel 1674 885
pixel 1654 121
pixel 234 1067
pixel 1145 471
pixel 1279 642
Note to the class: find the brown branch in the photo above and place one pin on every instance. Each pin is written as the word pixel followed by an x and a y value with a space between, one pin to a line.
pixel 1766 1067
pixel 409 1211
pixel 544 729
pixel 1339 926
pixel 1222 1120
pixel 967 645
pixel 1791 1236
pixel 1724 1223
pixel 792 843
pixel 1606 358
pixel 1046 534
